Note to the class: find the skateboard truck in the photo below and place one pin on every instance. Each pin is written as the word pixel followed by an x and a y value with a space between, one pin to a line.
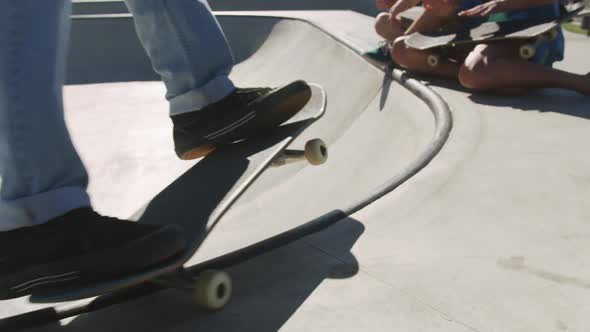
pixel 315 152
pixel 433 60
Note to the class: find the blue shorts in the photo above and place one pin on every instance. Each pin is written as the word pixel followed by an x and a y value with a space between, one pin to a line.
pixel 548 52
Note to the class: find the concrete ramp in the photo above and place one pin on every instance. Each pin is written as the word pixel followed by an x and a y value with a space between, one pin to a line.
pixel 482 230
pixel 123 134
pixel 374 127
pixel 81 7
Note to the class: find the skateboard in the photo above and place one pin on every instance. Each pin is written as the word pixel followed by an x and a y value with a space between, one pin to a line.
pixel 408 17
pixel 532 32
pixel 197 201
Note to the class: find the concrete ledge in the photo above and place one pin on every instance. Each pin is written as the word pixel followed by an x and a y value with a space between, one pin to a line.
pixel 82 7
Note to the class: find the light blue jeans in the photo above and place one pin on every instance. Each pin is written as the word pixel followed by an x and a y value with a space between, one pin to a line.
pixel 41 174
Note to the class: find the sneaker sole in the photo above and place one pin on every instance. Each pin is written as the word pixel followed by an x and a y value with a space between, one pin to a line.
pixel 198 152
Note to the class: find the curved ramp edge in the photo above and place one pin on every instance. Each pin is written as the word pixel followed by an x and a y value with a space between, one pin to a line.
pixel 443 125
pixel 358 40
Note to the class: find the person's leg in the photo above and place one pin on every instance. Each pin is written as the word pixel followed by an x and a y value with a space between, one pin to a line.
pixel 48 233
pixel 434 19
pixel 387 27
pixel 41 175
pixel 188 49
pixel 385 4
pixel 388 30
pixel 493 67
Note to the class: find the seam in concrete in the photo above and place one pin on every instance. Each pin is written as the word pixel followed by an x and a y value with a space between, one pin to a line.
pixel 445 315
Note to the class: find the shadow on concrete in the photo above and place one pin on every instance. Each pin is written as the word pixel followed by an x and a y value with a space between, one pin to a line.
pixel 540 100
pixel 117 6
pixel 545 100
pixel 106 48
pixel 195 201
pixel 267 291
pixel 385 90
pixel 438 82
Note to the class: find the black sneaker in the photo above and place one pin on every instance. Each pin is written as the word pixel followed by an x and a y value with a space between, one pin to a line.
pixel 81 247
pixel 243 114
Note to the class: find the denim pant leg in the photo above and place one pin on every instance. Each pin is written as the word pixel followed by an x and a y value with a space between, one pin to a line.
pixel 187 48
pixel 41 175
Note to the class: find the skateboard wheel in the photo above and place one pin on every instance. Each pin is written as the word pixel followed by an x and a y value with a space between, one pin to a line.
pixel 212 289
pixel 527 51
pixel 433 60
pixel 316 152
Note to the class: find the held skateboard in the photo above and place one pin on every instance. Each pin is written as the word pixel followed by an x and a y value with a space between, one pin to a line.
pixel 408 17
pixel 531 32
pixel 197 201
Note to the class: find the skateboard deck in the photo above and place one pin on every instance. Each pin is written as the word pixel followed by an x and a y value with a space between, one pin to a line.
pixel 408 17
pixel 487 32
pixel 199 199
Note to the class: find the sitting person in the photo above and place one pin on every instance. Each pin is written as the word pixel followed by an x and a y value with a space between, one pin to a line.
pixel 491 67
pixel 389 24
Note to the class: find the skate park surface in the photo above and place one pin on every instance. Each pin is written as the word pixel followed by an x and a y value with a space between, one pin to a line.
pixel 483 227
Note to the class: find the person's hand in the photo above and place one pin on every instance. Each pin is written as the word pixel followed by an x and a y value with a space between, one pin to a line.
pixel 385 4
pixel 484 9
pixel 441 8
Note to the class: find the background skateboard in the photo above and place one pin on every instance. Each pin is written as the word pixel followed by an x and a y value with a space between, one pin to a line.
pixel 532 32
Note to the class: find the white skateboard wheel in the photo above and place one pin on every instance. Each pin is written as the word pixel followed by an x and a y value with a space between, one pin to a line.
pixel 433 60
pixel 316 151
pixel 527 51
pixel 212 289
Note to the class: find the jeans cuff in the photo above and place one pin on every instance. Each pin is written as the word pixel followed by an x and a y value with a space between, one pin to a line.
pixel 196 99
pixel 41 208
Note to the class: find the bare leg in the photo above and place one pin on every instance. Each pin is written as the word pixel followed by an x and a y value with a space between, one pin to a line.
pixel 431 21
pixel 387 27
pixel 493 68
